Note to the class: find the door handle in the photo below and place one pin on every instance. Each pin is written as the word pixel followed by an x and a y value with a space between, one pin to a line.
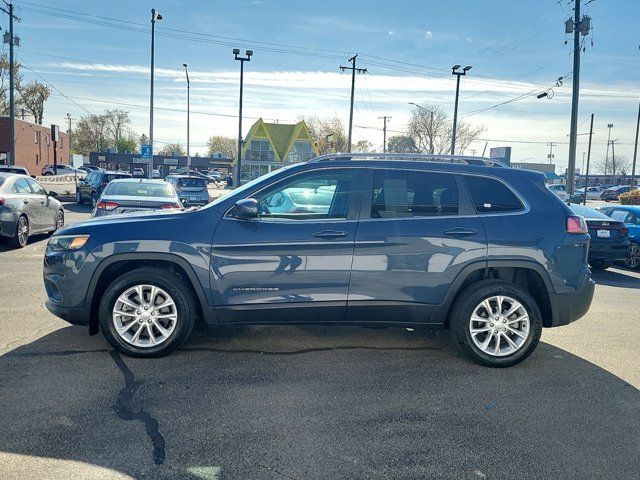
pixel 460 232
pixel 330 234
pixel 25 201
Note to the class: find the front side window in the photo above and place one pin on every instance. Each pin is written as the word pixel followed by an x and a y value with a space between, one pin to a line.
pixel 321 195
pixel 21 187
pixel 490 195
pixel 407 193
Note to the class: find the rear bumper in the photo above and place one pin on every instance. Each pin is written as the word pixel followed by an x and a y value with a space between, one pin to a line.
pixel 610 251
pixel 569 307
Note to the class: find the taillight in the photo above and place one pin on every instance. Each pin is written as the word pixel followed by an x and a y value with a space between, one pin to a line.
pixel 576 224
pixel 107 205
pixel 1 201
pixel 168 206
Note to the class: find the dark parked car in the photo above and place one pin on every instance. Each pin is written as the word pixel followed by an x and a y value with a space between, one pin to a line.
pixel 27 209
pixel 630 216
pixel 191 190
pixel 132 195
pixel 609 238
pixel 88 168
pixel 404 241
pixel 90 188
pixel 612 193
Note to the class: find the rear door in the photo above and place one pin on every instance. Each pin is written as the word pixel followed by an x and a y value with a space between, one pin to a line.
pixel 416 233
pixel 293 262
pixel 27 203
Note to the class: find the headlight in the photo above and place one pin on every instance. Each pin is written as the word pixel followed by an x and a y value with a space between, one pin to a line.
pixel 68 242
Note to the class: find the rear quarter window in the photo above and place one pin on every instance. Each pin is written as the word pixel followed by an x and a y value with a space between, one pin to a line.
pixel 490 195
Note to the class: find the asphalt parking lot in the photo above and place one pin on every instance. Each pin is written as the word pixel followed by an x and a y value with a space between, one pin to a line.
pixel 314 402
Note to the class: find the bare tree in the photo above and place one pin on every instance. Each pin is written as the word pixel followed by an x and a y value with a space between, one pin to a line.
pixel 172 149
pixel 363 146
pixel 226 145
pixel 617 165
pixel 329 133
pixel 117 124
pixel 431 130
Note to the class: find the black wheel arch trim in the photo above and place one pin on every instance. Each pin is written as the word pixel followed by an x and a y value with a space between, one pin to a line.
pixel 442 312
pixel 207 309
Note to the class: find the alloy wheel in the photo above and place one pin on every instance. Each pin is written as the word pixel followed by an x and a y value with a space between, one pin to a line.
pixel 633 259
pixel 499 326
pixel 144 316
pixel 23 231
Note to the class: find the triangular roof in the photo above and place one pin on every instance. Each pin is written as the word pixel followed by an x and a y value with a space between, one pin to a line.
pixel 281 136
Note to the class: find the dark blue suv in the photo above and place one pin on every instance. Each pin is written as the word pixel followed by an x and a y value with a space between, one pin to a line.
pixel 356 239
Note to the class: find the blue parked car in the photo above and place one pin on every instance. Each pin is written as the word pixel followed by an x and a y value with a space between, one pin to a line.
pixel 397 240
pixel 630 216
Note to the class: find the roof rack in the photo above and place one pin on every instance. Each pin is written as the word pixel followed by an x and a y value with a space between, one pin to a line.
pixel 421 157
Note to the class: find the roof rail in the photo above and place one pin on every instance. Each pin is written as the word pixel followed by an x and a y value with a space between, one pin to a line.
pixel 464 159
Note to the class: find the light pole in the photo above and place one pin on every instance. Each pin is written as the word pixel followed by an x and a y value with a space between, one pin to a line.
pixel 247 58
pixel 154 16
pixel 11 40
pixel 186 72
pixel 454 71
pixel 606 158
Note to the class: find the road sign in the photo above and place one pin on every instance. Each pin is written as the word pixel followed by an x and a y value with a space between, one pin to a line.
pixel 145 151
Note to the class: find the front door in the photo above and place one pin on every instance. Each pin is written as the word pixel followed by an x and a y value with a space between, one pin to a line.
pixel 417 231
pixel 293 262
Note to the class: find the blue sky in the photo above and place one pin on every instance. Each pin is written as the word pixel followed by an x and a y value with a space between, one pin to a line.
pixel 97 53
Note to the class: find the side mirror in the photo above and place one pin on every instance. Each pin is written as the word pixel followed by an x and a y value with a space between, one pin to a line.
pixel 246 209
pixel 52 194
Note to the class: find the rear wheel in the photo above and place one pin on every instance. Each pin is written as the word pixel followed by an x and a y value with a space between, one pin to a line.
pixel 21 235
pixel 147 312
pixel 600 264
pixel 496 323
pixel 633 258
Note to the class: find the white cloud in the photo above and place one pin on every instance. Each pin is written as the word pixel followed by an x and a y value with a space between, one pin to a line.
pixel 428 35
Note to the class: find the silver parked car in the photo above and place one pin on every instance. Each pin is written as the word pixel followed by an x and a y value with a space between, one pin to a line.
pixel 27 209
pixel 132 195
pixel 191 190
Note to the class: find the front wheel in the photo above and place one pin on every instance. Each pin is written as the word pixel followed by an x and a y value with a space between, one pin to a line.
pixel 21 235
pixel 633 257
pixel 496 323
pixel 147 312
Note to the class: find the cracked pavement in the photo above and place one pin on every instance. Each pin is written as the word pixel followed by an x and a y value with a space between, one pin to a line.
pixel 313 402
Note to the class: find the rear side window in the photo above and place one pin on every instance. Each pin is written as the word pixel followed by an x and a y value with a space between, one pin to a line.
pixel 398 194
pixel 490 195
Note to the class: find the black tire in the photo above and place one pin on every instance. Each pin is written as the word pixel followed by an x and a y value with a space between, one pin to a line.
pixel 59 221
pixel 180 292
pixel 46 174
pixel 600 264
pixel 20 239
pixel 465 304
pixel 94 200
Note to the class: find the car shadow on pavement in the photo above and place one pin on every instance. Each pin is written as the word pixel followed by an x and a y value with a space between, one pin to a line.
pixel 310 402
pixel 616 278
pixel 5 247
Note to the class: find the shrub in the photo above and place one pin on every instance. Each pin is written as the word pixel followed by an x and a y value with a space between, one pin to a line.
pixel 630 198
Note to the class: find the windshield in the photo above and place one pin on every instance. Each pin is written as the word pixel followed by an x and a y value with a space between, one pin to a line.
pixel 192 182
pixel 139 189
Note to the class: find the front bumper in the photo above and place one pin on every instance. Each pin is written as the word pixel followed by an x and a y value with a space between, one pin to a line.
pixel 75 316
pixel 569 307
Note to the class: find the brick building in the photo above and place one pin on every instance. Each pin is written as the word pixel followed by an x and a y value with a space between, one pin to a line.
pixel 34 148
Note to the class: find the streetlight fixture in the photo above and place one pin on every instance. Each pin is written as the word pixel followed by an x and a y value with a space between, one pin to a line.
pixel 458 74
pixel 606 157
pixel 186 72
pixel 155 16
pixel 246 58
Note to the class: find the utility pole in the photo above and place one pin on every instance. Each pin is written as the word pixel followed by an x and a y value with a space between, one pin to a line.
pixel 188 115
pixel 247 58
pixel 384 133
pixel 154 16
pixel 69 132
pixel 606 158
pixel 354 70
pixel 613 160
pixel 578 27
pixel 454 71
pixel 586 177
pixel 635 151
pixel 12 40
pixel 550 156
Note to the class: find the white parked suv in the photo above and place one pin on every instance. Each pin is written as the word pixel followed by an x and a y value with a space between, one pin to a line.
pixel 62 170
